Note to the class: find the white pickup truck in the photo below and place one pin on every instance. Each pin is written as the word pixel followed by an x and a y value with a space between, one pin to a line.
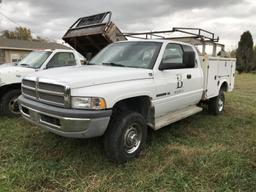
pixel 126 89
pixel 11 74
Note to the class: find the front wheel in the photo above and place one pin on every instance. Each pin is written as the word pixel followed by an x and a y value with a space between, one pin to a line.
pixel 10 107
pixel 216 104
pixel 125 137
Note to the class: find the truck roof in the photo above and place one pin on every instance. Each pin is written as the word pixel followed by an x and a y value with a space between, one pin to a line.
pixel 155 40
pixel 57 50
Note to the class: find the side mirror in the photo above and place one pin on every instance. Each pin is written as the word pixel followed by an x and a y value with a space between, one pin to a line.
pixel 83 61
pixel 49 66
pixel 88 56
pixel 167 66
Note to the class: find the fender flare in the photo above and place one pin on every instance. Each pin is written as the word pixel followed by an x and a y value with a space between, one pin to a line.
pixel 224 82
pixel 129 96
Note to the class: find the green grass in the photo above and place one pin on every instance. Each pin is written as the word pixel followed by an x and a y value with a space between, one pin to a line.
pixel 200 153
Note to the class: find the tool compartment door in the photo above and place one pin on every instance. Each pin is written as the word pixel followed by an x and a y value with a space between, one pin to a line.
pixel 212 78
pixel 232 75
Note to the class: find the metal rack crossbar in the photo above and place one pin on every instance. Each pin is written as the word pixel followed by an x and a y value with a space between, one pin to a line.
pixel 195 36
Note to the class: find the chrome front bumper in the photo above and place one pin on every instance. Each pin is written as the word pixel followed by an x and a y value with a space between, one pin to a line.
pixel 65 122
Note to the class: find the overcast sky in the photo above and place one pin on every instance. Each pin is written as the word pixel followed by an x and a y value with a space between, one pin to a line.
pixel 51 18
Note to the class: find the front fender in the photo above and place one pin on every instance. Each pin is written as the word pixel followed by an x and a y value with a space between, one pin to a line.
pixel 115 92
pixel 10 79
pixel 13 75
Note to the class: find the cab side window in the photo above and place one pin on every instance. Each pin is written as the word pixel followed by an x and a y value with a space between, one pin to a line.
pixel 173 56
pixel 61 60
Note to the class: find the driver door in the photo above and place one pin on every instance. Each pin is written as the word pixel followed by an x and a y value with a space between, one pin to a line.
pixel 179 87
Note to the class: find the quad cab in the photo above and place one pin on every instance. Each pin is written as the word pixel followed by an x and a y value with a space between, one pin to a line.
pixel 128 88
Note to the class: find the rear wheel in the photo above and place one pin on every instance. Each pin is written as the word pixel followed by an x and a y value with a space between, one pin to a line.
pixel 10 107
pixel 216 104
pixel 125 137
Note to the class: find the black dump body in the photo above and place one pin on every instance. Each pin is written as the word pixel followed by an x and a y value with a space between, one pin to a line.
pixel 92 33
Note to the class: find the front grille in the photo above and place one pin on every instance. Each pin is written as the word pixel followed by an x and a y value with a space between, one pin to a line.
pixel 49 93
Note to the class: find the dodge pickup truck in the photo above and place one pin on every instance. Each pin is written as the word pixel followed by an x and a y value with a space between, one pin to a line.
pixel 126 89
pixel 11 74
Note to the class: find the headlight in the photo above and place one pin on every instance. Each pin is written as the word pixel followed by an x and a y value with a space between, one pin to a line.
pixel 94 103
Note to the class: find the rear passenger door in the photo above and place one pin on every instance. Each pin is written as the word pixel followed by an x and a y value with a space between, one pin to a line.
pixel 61 59
pixel 179 87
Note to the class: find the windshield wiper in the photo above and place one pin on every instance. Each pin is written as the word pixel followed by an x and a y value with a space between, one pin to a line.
pixel 25 65
pixel 114 64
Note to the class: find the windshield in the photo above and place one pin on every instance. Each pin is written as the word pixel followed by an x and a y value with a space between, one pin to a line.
pixel 129 54
pixel 34 59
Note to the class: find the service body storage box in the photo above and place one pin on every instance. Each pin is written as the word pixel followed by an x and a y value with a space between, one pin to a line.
pixel 217 70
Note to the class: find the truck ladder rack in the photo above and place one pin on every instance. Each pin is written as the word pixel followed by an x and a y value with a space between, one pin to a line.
pixel 201 35
pixel 195 36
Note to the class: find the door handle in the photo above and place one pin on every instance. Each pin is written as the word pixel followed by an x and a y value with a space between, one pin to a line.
pixel 189 76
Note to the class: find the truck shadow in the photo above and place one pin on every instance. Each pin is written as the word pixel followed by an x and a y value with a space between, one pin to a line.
pixel 192 127
pixel 45 146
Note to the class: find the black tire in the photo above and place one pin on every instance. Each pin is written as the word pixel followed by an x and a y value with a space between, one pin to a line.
pixel 216 104
pixel 1 113
pixel 10 106
pixel 125 137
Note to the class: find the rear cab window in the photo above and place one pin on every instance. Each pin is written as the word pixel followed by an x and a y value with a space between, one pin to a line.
pixel 178 56
pixel 62 59
pixel 173 54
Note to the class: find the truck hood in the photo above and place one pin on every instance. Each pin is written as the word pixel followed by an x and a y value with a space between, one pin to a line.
pixel 7 65
pixel 90 75
pixel 13 74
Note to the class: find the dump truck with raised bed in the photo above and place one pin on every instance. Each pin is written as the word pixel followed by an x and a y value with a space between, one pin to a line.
pixel 130 87
pixel 92 33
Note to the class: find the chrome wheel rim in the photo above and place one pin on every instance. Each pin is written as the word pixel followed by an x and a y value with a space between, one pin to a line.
pixel 13 106
pixel 132 138
pixel 221 104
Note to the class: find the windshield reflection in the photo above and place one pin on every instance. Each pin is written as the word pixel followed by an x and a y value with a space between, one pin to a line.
pixel 34 59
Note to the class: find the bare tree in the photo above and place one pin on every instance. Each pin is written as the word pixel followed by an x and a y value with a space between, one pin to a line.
pixel 21 33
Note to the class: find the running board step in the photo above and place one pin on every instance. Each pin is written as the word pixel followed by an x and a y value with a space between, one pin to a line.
pixel 176 116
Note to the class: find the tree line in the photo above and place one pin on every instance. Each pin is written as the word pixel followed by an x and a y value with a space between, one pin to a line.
pixel 21 33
